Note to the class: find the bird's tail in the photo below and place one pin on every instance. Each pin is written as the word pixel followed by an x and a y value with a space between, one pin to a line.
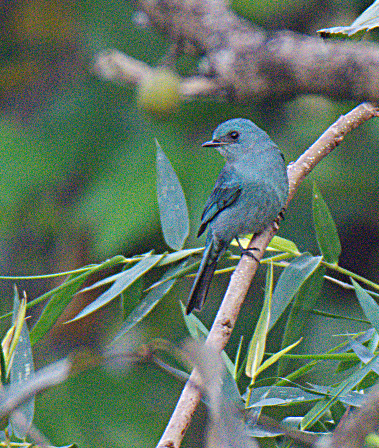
pixel 203 279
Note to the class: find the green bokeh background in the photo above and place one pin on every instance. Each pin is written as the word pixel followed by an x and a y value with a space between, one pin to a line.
pixel 78 186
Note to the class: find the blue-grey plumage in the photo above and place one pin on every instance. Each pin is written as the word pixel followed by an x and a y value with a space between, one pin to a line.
pixel 250 192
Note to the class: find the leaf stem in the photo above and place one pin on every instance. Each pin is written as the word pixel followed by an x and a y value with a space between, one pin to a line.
pixel 344 271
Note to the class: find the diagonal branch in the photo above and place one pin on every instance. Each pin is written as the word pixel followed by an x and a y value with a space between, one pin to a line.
pixel 243 275
pixel 247 62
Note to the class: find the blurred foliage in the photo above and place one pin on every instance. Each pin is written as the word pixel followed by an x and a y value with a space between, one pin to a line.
pixel 78 185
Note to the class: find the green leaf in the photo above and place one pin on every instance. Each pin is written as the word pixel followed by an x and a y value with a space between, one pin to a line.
pixel 18 320
pixel 172 203
pixel 123 281
pixel 257 344
pixel 113 278
pixel 289 283
pixel 272 359
pixel 179 255
pixel 273 396
pixel 56 305
pixel 338 392
pixel 175 274
pixel 283 245
pixel 368 20
pixel 279 395
pixel 196 328
pixel 3 367
pixel 368 304
pixel 21 370
pixel 300 313
pixel 372 440
pixel 131 297
pixel 61 296
pixel 150 301
pixel 361 351
pixel 326 230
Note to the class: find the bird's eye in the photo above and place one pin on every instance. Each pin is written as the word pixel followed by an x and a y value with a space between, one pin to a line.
pixel 234 135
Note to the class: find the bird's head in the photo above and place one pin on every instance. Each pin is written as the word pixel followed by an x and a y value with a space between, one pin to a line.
pixel 237 137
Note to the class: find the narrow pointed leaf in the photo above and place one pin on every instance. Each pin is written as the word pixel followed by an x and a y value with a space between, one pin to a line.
pixel 195 327
pixel 3 367
pixel 288 394
pixel 131 297
pixel 277 244
pixel 257 345
pixel 361 351
pixel 326 230
pixel 61 296
pixel 236 375
pixel 300 313
pixel 22 369
pixel 180 273
pixel 114 277
pixel 289 283
pixel 149 302
pixel 104 281
pixel 368 20
pixel 55 307
pixel 373 342
pixel 129 276
pixel 179 255
pixel 343 389
pixel 18 320
pixel 274 358
pixel 172 203
pixel 368 304
pixel 283 245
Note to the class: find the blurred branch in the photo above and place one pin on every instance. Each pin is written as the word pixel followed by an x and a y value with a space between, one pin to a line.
pixel 116 66
pixel 246 62
pixel 243 275
pixel 354 427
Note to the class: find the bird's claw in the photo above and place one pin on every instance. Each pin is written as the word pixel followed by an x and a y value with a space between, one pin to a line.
pixel 278 219
pixel 249 252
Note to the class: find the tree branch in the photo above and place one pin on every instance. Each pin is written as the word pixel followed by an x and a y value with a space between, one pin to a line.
pixel 248 62
pixel 116 66
pixel 243 275
pixel 354 427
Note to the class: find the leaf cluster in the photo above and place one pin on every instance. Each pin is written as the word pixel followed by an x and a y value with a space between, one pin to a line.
pixel 298 409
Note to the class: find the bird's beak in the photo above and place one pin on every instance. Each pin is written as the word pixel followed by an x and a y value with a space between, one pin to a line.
pixel 213 144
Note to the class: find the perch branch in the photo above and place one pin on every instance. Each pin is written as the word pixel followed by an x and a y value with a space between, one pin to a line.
pixel 243 275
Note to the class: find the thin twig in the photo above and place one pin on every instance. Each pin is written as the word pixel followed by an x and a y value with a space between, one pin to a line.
pixel 243 275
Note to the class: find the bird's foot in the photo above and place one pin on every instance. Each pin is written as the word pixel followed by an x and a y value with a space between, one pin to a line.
pixel 280 216
pixel 278 219
pixel 249 252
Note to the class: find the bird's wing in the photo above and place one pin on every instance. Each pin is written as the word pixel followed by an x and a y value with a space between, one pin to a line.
pixel 225 192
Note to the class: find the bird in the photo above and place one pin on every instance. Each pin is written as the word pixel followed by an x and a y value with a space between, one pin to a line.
pixel 250 192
